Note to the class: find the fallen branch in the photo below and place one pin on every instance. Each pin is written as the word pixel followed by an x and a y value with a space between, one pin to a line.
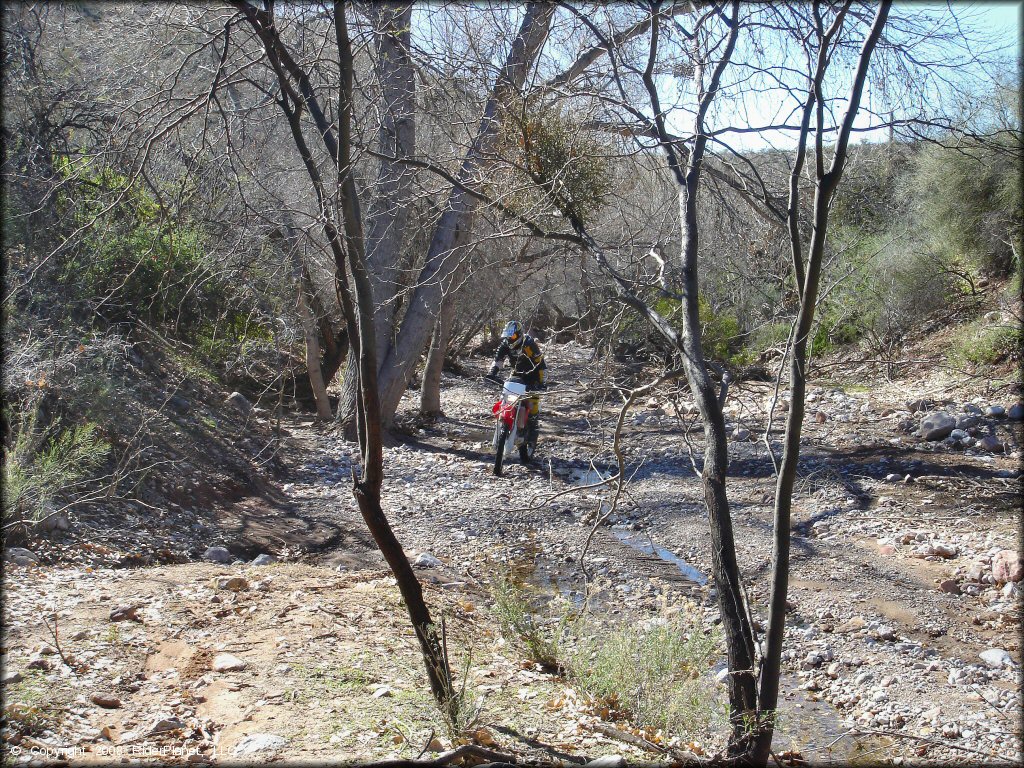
pixel 446 758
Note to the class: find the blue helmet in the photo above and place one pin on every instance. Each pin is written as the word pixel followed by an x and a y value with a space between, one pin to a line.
pixel 513 333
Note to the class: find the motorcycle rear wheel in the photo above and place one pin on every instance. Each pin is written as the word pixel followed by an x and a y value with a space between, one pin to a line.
pixel 499 447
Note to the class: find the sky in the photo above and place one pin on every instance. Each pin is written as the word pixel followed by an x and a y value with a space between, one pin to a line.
pixel 1000 22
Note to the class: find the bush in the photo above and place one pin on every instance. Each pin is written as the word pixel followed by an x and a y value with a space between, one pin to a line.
pixel 540 639
pixel 967 201
pixel 656 673
pixel 37 470
pixel 555 160
pixel 982 344
pixel 131 258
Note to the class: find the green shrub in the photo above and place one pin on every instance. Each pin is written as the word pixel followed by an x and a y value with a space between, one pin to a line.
pixel 131 258
pixel 552 158
pixel 655 673
pixel 37 470
pixel 983 344
pixel 540 638
pixel 833 330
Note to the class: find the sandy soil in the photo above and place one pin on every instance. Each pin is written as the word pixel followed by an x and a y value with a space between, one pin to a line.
pixel 887 625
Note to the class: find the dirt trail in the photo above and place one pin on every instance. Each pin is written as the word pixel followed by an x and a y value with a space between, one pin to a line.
pixel 873 641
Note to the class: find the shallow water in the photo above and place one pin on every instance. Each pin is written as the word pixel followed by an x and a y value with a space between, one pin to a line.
pixel 643 543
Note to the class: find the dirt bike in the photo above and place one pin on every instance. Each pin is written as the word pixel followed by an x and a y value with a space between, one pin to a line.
pixel 511 414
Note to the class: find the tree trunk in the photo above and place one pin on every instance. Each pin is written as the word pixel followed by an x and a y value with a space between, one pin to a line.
pixel 425 303
pixel 388 211
pixel 826 183
pixel 316 378
pixel 430 391
pixel 356 296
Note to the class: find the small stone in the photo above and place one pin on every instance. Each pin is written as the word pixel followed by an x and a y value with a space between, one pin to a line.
pixel 995 410
pixel 966 422
pixel 233 583
pixel 11 678
pixel 1007 566
pixel 225 662
pixel 944 550
pixel 607 761
pixel 820 417
pixel 259 742
pixel 976 572
pixel 990 444
pixel 892 477
pixel 217 555
pixel 240 401
pixel 105 700
pixel 852 625
pixel 936 425
pixel 1016 412
pixel 949 586
pixel 741 434
pixel 20 556
pixel 264 559
pixel 425 560
pixel 166 724
pixel 996 658
pixel 886 549
pixel 125 613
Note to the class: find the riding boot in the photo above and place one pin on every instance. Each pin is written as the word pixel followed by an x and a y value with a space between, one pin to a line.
pixel 533 429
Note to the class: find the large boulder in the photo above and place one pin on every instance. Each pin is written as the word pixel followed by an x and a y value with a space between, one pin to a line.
pixel 936 425
pixel 1008 566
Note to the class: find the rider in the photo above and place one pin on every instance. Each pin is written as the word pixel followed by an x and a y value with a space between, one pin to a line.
pixel 527 362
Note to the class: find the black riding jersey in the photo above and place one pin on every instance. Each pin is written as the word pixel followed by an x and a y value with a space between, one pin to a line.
pixel 527 361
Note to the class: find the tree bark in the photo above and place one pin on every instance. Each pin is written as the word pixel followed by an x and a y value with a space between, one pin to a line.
pixel 348 248
pixel 425 303
pixel 430 390
pixel 309 330
pixel 388 212
pixel 826 183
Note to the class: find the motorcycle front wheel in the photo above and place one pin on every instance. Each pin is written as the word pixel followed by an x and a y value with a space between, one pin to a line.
pixel 500 438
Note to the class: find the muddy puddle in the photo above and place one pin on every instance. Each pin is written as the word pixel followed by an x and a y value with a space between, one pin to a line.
pixel 643 543
pixel 814 728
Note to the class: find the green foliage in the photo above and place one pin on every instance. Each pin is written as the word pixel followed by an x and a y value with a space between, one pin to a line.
pixel 833 330
pixel 37 470
pixel 720 332
pixel 555 160
pixel 539 639
pixel 656 673
pixel 983 344
pixel 967 199
pixel 132 257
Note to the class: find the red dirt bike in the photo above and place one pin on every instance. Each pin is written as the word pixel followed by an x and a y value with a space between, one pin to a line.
pixel 511 414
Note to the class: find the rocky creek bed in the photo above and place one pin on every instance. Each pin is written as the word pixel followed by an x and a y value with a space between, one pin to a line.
pixel 903 641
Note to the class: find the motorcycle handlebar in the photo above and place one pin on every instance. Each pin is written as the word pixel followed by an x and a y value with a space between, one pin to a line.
pixel 531 392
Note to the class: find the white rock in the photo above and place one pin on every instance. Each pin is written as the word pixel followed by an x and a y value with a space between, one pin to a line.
pixel 217 555
pixel 996 658
pixel 259 742
pixel 608 761
pixel 425 560
pixel 225 662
